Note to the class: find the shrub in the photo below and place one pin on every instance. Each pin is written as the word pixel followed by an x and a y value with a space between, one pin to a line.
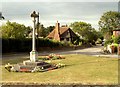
pixel 25 45
pixel 115 46
pixel 108 42
pixel 99 41
pixel 116 40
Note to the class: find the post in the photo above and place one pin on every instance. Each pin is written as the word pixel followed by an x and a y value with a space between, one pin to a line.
pixel 33 53
pixel 33 36
pixel 37 27
pixel 118 50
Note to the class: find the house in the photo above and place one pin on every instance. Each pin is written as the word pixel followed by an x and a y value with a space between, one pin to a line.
pixel 116 33
pixel 63 33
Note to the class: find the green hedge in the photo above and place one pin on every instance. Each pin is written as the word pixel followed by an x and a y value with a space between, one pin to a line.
pixel 25 45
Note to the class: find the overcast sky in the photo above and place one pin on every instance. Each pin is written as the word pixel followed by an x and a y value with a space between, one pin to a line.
pixel 50 12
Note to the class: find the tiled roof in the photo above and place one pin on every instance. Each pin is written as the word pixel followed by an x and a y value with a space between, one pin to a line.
pixel 51 34
pixel 59 32
pixel 62 30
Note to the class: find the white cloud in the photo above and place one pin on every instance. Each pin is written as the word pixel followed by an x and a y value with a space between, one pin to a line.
pixel 50 12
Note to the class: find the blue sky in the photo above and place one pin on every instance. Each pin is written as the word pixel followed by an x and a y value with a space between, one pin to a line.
pixel 50 11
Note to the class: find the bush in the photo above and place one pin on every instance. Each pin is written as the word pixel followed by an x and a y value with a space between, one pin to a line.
pixel 99 41
pixel 25 45
pixel 115 46
pixel 116 40
pixel 108 42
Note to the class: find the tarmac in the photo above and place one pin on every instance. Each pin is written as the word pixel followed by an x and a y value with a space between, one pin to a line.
pixel 93 51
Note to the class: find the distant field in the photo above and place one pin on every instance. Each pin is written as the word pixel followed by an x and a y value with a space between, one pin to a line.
pixel 80 69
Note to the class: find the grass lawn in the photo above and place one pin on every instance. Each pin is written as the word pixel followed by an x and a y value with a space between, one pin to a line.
pixel 80 69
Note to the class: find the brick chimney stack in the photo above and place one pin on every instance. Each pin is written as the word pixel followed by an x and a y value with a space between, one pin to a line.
pixel 57 32
pixel 58 27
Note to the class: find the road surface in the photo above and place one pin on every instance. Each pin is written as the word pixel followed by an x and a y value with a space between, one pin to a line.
pixel 93 51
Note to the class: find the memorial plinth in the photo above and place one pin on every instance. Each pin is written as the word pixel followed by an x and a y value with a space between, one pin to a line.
pixel 37 63
pixel 29 66
pixel 33 56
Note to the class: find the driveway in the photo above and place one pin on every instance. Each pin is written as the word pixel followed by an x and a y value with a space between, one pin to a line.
pixel 93 51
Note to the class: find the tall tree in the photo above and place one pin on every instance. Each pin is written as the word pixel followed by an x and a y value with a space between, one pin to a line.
pixel 85 30
pixel 49 29
pixel 41 31
pixel 109 21
pixel 14 30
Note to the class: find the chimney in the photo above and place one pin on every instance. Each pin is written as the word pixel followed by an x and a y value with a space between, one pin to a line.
pixel 57 32
pixel 58 27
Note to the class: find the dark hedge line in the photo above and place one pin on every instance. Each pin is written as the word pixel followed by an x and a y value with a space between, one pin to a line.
pixel 25 45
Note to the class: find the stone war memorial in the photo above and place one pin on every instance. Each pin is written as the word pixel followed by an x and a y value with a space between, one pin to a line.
pixel 34 65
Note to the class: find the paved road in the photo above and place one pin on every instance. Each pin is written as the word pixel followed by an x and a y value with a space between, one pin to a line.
pixel 94 51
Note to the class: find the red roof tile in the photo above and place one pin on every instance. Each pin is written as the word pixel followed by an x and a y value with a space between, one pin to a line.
pixel 55 34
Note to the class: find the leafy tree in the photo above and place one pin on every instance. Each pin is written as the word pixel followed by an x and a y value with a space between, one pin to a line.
pixel 14 30
pixel 109 21
pixel 100 35
pixel 43 32
pixel 85 30
pixel 50 28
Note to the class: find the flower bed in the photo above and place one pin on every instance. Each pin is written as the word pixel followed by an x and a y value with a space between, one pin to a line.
pixel 11 68
pixel 53 57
